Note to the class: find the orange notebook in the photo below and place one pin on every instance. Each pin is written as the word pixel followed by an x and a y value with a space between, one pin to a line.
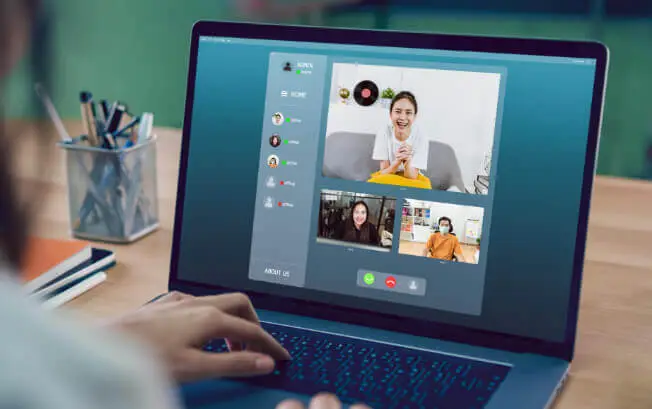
pixel 47 259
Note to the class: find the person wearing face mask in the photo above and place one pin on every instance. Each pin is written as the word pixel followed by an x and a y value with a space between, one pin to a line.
pixel 357 228
pixel 443 245
pixel 401 149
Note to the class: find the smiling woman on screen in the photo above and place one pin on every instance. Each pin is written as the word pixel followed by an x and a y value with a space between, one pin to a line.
pixel 357 228
pixel 401 149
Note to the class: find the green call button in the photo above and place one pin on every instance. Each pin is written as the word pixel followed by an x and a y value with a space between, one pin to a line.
pixel 369 279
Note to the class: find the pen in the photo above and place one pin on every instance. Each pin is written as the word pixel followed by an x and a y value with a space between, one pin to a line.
pixel 114 120
pixel 104 107
pixel 110 141
pixel 52 112
pixel 88 117
pixel 98 111
pixel 128 126
pixel 145 127
pixel 110 109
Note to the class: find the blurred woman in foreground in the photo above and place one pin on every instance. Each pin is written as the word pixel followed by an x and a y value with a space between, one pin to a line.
pixel 53 361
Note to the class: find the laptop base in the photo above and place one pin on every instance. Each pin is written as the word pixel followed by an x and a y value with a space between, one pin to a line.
pixel 533 381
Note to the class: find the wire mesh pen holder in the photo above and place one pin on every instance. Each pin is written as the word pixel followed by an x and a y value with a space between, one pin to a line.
pixel 112 194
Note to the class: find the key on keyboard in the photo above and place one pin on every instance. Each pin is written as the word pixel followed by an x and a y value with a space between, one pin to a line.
pixel 380 375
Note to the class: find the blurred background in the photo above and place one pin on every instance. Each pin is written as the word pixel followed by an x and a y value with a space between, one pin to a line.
pixel 137 51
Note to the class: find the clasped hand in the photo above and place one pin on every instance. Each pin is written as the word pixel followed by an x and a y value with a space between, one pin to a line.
pixel 404 153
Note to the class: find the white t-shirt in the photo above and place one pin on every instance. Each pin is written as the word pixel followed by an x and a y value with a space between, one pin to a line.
pixel 386 146
pixel 51 361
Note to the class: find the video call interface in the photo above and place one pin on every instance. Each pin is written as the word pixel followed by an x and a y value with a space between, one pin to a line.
pixel 399 150
pixel 365 174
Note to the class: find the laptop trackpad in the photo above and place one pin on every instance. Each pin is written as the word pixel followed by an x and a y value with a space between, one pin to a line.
pixel 224 394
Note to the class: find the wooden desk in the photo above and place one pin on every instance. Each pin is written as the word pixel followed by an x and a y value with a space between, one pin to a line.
pixel 613 365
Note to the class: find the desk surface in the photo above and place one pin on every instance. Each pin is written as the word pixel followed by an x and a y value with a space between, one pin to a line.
pixel 613 365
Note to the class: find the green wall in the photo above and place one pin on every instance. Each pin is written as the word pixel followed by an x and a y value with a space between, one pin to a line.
pixel 137 50
pixel 132 50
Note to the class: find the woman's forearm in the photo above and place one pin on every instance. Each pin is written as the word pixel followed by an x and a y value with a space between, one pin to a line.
pixel 391 168
pixel 410 171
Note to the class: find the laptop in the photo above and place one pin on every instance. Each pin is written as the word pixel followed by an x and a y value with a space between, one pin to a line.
pixel 407 211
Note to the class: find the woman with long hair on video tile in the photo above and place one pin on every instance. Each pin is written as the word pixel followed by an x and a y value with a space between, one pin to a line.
pixel 129 362
pixel 357 228
pixel 401 149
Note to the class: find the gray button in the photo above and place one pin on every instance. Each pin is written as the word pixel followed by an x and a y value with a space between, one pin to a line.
pixel 392 282
pixel 275 272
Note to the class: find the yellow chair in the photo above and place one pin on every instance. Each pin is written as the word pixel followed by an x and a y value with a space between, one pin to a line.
pixel 397 179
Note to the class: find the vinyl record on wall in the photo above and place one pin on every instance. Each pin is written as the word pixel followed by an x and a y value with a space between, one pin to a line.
pixel 365 93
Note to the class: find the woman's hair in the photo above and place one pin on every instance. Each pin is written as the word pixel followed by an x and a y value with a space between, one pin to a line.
pixel 15 213
pixel 389 221
pixel 404 95
pixel 365 229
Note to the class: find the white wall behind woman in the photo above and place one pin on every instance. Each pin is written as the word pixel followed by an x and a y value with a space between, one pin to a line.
pixel 455 107
pixel 459 215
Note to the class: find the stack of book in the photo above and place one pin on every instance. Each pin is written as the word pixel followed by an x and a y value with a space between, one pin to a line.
pixel 56 271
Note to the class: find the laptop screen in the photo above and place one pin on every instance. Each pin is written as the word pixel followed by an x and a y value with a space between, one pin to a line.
pixel 439 185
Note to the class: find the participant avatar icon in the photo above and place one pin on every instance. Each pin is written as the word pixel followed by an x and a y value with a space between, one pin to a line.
pixel 275 140
pixel 277 119
pixel 287 66
pixel 269 202
pixel 273 161
pixel 271 182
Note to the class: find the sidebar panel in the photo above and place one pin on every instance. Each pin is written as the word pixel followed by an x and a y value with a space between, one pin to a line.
pixel 286 175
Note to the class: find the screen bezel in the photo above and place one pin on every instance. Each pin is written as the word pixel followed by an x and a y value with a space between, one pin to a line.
pixel 504 45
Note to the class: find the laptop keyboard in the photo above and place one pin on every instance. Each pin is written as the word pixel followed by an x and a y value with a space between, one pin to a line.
pixel 380 375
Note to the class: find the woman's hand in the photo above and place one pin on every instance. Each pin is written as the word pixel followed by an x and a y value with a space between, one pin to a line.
pixel 404 153
pixel 177 326
pixel 387 167
pixel 400 155
pixel 320 401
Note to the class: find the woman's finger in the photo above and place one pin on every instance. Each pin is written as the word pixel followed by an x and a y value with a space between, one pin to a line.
pixel 220 325
pixel 290 404
pixel 172 299
pixel 325 401
pixel 234 345
pixel 195 364
pixel 173 296
pixel 237 304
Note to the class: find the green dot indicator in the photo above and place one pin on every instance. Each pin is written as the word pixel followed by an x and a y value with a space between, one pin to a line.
pixel 286 141
pixel 369 279
pixel 287 120
pixel 298 71
pixel 284 162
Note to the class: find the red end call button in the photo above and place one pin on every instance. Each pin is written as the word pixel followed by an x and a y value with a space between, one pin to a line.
pixel 390 282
